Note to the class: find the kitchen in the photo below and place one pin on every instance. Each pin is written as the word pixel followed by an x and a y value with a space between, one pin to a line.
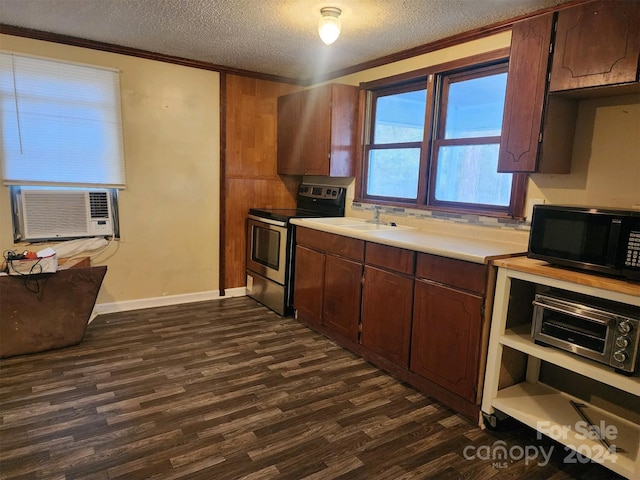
pixel 178 173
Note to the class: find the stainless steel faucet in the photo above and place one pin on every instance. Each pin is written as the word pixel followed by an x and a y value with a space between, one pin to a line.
pixel 376 214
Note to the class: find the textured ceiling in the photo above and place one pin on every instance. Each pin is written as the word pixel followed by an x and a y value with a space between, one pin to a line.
pixel 275 37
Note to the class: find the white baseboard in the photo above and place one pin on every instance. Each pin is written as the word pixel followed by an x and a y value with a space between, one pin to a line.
pixel 104 308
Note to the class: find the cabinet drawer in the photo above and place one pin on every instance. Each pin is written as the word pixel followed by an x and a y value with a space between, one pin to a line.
pixel 391 258
pixel 457 273
pixel 330 243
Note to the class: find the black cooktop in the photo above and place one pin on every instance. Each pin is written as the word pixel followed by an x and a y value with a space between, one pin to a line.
pixel 312 201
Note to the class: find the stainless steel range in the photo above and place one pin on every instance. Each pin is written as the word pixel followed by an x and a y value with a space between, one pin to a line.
pixel 271 244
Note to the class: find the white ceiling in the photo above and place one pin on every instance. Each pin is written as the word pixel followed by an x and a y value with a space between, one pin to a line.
pixel 274 37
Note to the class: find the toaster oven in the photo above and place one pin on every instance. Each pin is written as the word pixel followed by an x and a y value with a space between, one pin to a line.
pixel 604 331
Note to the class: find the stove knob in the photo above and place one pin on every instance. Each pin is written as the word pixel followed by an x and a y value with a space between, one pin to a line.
pixel 622 342
pixel 620 356
pixel 624 327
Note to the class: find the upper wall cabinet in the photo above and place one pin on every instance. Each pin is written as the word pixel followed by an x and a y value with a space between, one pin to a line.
pixel 525 96
pixel 597 44
pixel 595 52
pixel 317 131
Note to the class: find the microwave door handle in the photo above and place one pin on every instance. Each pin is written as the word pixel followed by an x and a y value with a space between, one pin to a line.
pixel 614 239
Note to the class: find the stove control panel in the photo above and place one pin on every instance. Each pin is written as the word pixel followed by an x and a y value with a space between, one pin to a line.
pixel 320 191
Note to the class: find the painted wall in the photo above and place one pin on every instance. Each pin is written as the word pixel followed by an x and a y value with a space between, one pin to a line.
pixel 169 212
pixel 605 167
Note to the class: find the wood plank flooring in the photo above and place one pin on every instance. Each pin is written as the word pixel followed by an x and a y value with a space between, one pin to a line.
pixel 228 390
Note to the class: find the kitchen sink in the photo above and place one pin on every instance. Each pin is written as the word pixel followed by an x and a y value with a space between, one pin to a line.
pixel 366 227
pixel 337 221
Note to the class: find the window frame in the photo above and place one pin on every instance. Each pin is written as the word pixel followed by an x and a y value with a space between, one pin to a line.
pixel 434 125
pixel 33 86
pixel 403 87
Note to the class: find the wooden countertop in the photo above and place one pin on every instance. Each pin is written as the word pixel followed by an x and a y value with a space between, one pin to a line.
pixel 540 267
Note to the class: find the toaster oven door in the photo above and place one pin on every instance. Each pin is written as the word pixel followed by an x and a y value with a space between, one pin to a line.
pixel 573 327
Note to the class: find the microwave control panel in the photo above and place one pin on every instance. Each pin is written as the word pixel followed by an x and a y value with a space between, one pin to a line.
pixel 633 250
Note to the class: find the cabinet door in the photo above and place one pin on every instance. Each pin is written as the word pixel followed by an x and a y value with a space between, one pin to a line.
pixel 446 337
pixel 596 44
pixel 289 141
pixel 525 95
pixel 315 122
pixel 341 304
pixel 387 301
pixel 308 284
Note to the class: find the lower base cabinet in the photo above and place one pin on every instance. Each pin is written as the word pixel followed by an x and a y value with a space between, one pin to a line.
pixel 415 315
pixel 328 282
pixel 387 301
pixel 309 283
pixel 445 340
pixel 341 302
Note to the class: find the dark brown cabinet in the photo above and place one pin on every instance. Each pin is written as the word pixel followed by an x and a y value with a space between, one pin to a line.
pixel 341 303
pixel 328 282
pixel 387 301
pixel 595 52
pixel 418 316
pixel 597 44
pixel 446 337
pixel 525 95
pixel 448 323
pixel 317 131
pixel 309 283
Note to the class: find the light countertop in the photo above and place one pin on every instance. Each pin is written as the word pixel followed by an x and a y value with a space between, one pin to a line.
pixel 471 249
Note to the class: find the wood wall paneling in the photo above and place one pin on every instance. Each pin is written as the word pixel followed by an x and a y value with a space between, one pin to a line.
pixel 249 169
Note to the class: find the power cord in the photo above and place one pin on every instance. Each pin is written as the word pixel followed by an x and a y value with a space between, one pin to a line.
pixel 27 278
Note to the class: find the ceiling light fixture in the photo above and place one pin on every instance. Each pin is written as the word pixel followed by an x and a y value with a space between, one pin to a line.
pixel 329 24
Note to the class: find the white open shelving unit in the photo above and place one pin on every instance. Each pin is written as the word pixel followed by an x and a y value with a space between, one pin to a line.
pixel 543 407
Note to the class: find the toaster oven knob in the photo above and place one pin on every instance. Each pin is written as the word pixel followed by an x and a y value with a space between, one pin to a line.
pixel 620 356
pixel 624 327
pixel 622 342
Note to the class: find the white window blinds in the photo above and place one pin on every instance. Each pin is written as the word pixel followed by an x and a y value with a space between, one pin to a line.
pixel 61 123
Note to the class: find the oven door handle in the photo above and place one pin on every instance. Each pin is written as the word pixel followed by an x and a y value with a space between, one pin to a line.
pixel 277 223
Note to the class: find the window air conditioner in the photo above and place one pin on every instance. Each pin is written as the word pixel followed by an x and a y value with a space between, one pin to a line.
pixel 73 213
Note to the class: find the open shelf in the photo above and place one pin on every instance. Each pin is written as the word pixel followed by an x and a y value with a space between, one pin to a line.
pixel 548 410
pixel 611 398
pixel 519 338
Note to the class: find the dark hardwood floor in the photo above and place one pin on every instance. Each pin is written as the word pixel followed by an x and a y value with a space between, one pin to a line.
pixel 227 390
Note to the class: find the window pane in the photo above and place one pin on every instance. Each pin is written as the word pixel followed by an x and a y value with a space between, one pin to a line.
pixel 468 174
pixel 474 107
pixel 400 117
pixel 61 123
pixel 394 173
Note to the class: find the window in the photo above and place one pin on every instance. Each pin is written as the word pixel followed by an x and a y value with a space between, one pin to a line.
pixel 432 140
pixel 61 136
pixel 61 123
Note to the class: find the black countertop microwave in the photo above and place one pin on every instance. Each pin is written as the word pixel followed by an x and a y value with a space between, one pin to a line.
pixel 601 240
